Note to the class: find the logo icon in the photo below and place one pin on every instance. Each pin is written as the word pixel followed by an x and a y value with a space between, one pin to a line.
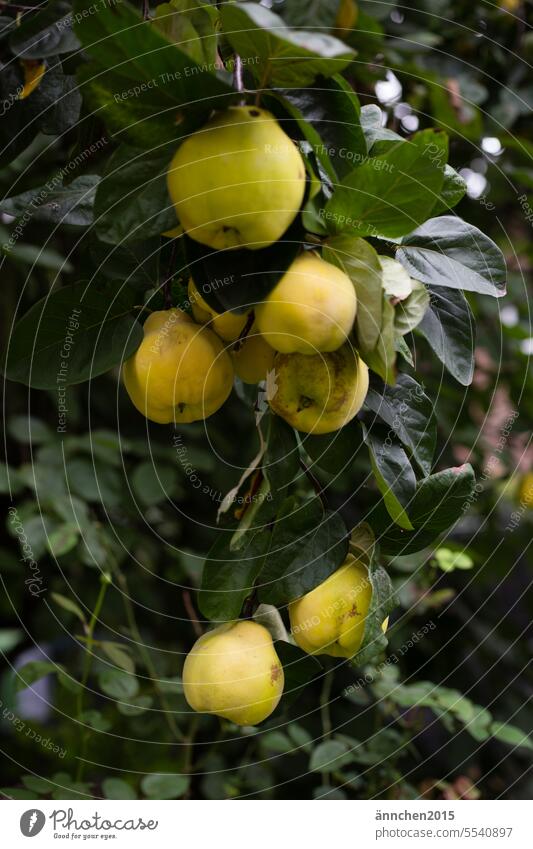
pixel 32 822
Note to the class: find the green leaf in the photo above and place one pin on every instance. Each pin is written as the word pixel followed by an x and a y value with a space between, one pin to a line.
pixel 329 118
pixel 381 603
pixel 287 58
pixel 320 14
pixel 447 251
pixel 154 482
pixel 115 788
pixel 132 200
pixel 390 194
pixel 228 576
pixel 372 125
pixel 9 638
pixel 34 671
pixel 449 327
pixel 135 706
pixel 330 756
pixel 408 411
pixel 410 312
pixel 334 452
pixel 393 472
pixel 191 25
pixel 281 461
pixel 119 655
pixel 48 33
pixel 29 430
pixel 361 263
pixel 299 668
pixel 118 684
pixel 453 190
pixel 308 544
pixel 69 605
pixel 165 786
pixel 63 539
pixel 511 734
pixel 438 502
pixel 382 359
pixel 73 334
pixel 59 204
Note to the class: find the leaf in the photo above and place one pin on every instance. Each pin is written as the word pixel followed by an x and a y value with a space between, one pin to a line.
pixel 382 359
pixel 9 638
pixel 119 655
pixel 308 544
pixel 447 251
pixel 330 756
pixel 246 276
pixel 372 126
pixel 154 482
pixel 299 668
pixel 287 58
pixel 329 117
pixel 320 14
pixel 390 194
pixel 132 200
pixel 191 25
pixel 439 501
pixel 334 452
pixel 75 333
pixel 228 576
pixel 511 734
pixel 115 788
pixel 34 671
pixel 396 281
pixel 449 327
pixel 394 474
pixel 68 604
pixel 410 312
pixel 165 786
pixel 63 539
pixel 60 204
pixel 361 263
pixel 135 706
pixel 409 413
pixel 381 603
pixel 118 684
pixel 48 33
pixel 453 190
pixel 281 461
pixel 139 80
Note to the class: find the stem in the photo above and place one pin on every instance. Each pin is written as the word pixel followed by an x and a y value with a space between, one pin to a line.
pixel 191 613
pixel 244 332
pixel 134 628
pixel 146 9
pixel 87 666
pixel 325 715
pixel 237 73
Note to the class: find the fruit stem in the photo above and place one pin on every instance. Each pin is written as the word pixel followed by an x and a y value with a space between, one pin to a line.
pixel 237 74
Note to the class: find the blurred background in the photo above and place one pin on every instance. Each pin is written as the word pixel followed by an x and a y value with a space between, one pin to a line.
pixel 113 493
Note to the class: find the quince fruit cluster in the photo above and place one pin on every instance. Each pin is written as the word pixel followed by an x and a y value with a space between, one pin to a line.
pixel 239 182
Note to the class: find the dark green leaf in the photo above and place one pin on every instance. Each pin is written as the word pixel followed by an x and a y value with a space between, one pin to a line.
pixel 381 603
pixel 390 194
pixel 308 544
pixel 154 482
pixel 34 671
pixel 115 788
pixel 48 33
pixel 299 668
pixel 63 539
pixel 132 200
pixel 287 58
pixel 77 333
pixel 68 604
pixel 453 190
pixel 334 452
pixel 439 501
pixel 118 684
pixel 165 786
pixel 281 460
pixel 410 312
pixel 119 655
pixel 329 756
pixel 228 575
pixel 409 413
pixel 372 125
pixel 447 251
pixel 449 327
pixel 60 204
pixel 393 472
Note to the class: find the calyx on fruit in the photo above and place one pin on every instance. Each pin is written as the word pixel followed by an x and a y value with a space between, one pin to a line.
pixel 331 618
pixel 319 394
pixel 239 181
pixel 228 325
pixel 311 308
pixel 234 672
pixel 180 372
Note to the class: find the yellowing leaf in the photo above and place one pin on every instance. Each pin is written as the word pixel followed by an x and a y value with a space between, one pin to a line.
pixel 33 74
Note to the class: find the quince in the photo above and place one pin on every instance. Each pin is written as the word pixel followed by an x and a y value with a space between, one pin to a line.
pixel 319 394
pixel 312 308
pixel 237 182
pixel 254 358
pixel 228 325
pixel 233 671
pixel 331 618
pixel 180 372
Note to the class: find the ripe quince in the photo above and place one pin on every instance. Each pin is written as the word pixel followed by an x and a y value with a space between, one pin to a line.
pixel 319 394
pixel 331 618
pixel 234 672
pixel 237 182
pixel 254 357
pixel 228 325
pixel 311 309
pixel 180 372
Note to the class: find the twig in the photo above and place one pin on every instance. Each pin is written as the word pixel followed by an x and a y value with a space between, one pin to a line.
pixel 191 613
